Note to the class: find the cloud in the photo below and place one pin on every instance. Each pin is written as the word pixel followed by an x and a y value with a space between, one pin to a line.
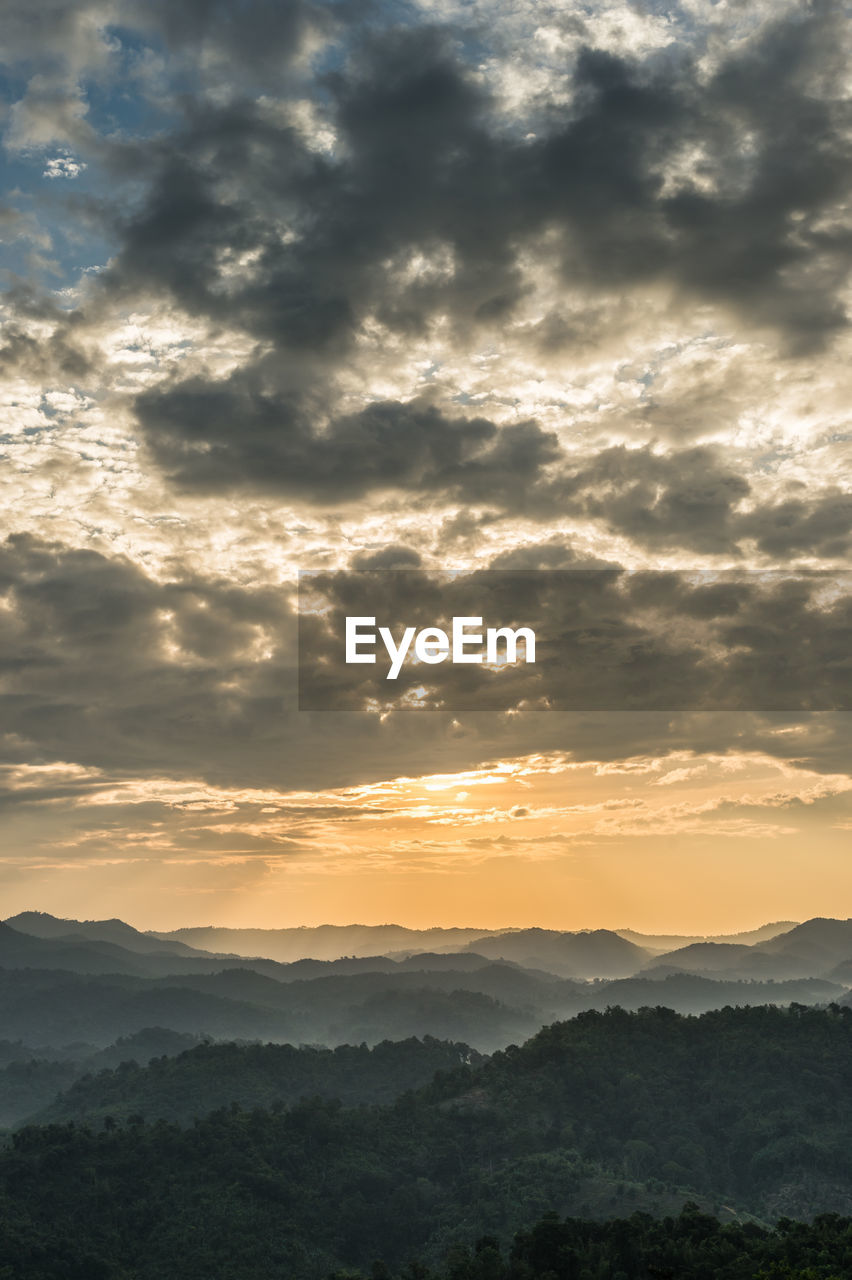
pixel 387 445
pixel 683 498
pixel 48 114
pixel 605 640
pixel 258 38
pixel 63 167
pixel 818 524
pixel 112 670
pixel 429 221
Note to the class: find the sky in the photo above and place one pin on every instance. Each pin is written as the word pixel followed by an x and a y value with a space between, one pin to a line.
pixel 441 287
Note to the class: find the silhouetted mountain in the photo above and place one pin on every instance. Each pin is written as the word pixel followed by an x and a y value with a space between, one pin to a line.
pixel 705 956
pixel 734 961
pixel 197 1081
pixel 78 954
pixel 324 942
pixel 461 961
pixel 841 973
pixel 596 953
pixel 50 1007
pixel 812 949
pixel 21 951
pixel 818 945
pixel 495 1004
pixel 298 970
pixel 674 941
pixel 39 924
pixel 466 996
pixel 689 993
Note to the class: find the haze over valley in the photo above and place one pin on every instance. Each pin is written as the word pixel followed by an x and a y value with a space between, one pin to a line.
pixel 78 995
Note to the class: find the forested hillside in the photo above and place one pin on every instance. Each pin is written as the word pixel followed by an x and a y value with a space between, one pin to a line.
pixel 211 1076
pixel 748 1111
pixel 31 1077
pixel 692 1246
pixel 73 990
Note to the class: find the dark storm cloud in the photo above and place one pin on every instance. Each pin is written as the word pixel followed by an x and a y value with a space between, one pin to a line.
pixel 58 359
pixel 103 665
pixel 782 153
pixel 683 498
pixel 25 26
pixel 413 137
pixel 695 499
pixel 206 436
pixel 392 557
pixel 210 437
pixel 818 524
pixel 605 639
pixel 93 602
pixel 553 554
pixel 422 167
pixel 202 434
pixel 196 679
pixel 258 36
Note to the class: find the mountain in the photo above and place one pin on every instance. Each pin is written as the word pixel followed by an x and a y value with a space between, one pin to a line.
pixel 694 1245
pixel 39 924
pixel 324 942
pixel 594 953
pixel 752 1102
pixel 814 948
pixel 606 1113
pixel 673 941
pixel 58 1008
pixel 842 973
pixel 22 951
pixel 299 970
pixel 461 961
pixel 733 960
pixel 705 957
pixel 489 1007
pixel 30 1080
pixel 209 1076
pixel 34 939
pixel 67 989
pixel 76 953
pixel 818 944
pixel 494 1005
pixel 689 993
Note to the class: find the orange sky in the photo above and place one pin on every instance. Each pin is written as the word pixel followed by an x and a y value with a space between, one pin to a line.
pixel 684 842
